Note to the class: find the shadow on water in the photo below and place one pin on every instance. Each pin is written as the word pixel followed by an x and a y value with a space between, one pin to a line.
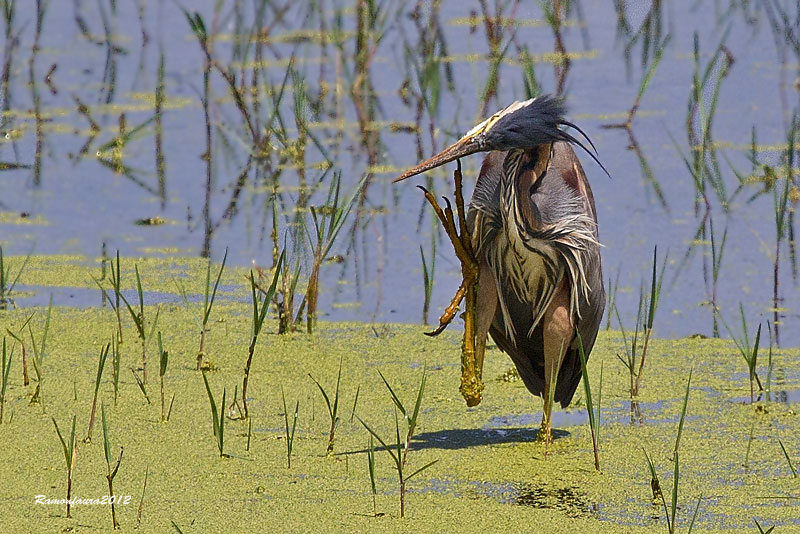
pixel 462 438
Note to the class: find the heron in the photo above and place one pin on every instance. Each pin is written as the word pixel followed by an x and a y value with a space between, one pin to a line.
pixel 529 247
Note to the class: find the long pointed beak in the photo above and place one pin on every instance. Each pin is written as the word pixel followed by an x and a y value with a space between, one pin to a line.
pixel 465 146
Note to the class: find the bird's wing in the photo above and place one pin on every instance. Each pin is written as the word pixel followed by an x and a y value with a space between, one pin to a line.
pixel 590 303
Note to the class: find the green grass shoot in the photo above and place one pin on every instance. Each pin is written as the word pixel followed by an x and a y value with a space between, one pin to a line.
pixel 717 252
pixel 371 467
pixel 115 362
pixel 116 285
pixel 116 282
pixel 217 417
pixel 399 451
pixel 7 280
pixel 4 371
pixel 333 408
pixel 652 307
pixel 655 484
pixel 163 357
pixel 38 357
pixel 783 218
pixel 110 472
pixel 645 318
pixel 100 366
pixel 209 294
pixel 611 305
pixel 19 337
pixel 761 529
pixel 70 453
pixel 749 353
pixel 770 367
pixel 788 460
pixel 260 308
pixel 427 278
pixel 139 320
pixel 141 385
pixel 683 412
pixel 670 512
pixel 327 224
pixel 355 403
pixel 631 346
pixel 749 443
pixel 289 434
pixel 594 417
pixel 290 277
pixel 141 499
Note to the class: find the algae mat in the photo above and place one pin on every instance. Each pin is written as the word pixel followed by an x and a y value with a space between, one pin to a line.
pixel 490 473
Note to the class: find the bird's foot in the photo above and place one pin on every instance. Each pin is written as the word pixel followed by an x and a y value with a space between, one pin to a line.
pixel 471 360
pixel 450 312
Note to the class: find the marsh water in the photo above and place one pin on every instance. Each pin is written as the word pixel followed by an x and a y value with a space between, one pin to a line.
pixel 87 157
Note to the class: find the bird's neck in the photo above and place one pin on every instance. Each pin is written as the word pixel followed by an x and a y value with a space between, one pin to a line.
pixel 521 169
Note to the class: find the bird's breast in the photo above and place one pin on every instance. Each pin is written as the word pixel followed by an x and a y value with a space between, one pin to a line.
pixel 527 271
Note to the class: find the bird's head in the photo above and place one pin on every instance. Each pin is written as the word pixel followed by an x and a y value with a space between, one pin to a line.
pixel 520 126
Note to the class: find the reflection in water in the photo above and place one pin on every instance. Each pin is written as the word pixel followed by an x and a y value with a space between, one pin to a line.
pixel 554 17
pixel 636 413
pixel 649 32
pixel 568 500
pixel 34 85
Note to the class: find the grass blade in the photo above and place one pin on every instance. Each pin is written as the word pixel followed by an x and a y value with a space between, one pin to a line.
pixel 788 460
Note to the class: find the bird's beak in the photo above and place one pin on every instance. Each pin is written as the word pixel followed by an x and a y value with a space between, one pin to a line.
pixel 473 141
pixel 469 144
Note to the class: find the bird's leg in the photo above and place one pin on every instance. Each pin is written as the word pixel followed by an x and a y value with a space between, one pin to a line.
pixel 545 432
pixel 471 383
pixel 544 429
pixel 558 330
pixel 487 296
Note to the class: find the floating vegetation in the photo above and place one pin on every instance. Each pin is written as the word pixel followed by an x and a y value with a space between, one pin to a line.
pixel 265 142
